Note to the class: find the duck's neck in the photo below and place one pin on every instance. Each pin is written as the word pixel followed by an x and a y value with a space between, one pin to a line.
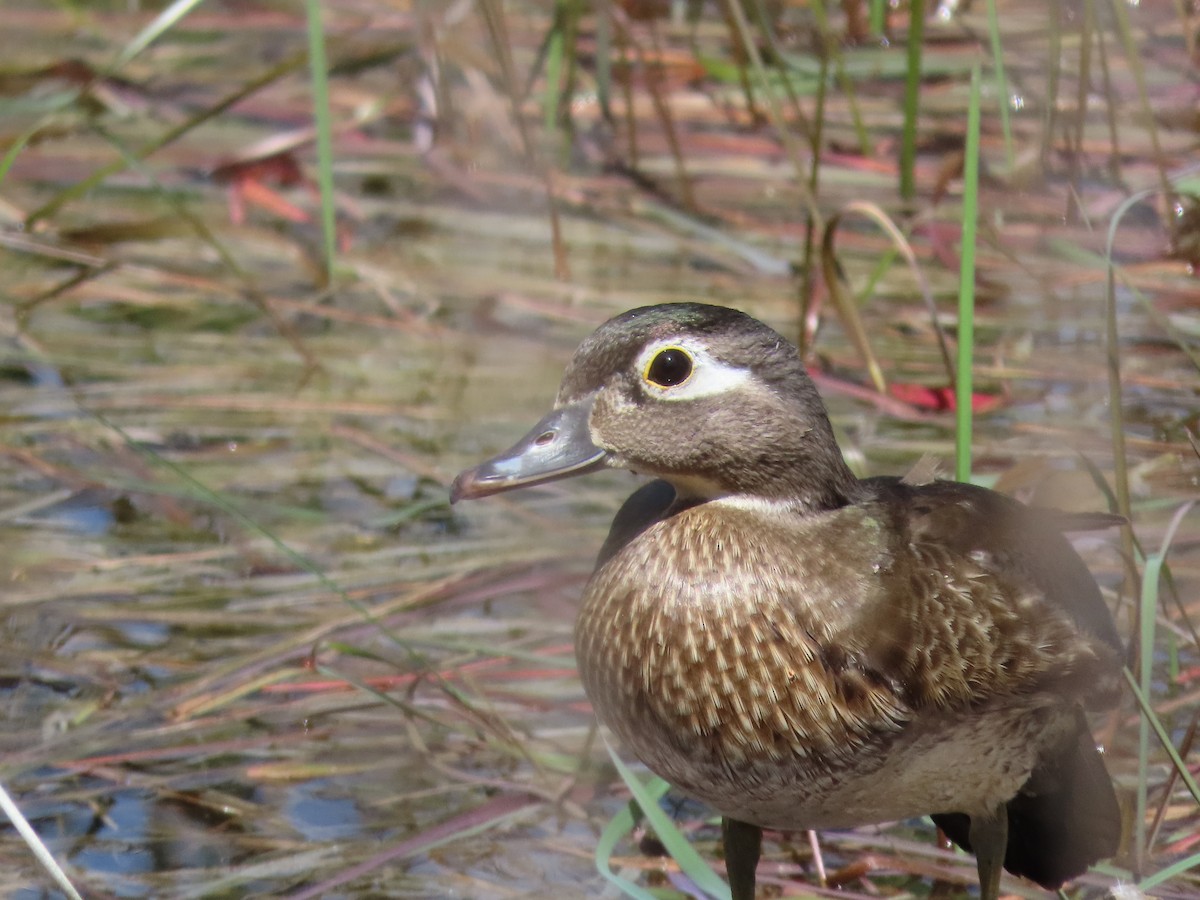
pixel 805 486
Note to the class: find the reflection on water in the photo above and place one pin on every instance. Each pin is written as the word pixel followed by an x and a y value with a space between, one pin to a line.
pixel 76 514
pixel 319 817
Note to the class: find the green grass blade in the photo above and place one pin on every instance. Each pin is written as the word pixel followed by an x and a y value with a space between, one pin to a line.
pixel 878 14
pixel 677 845
pixel 1133 55
pixel 963 386
pixel 1176 868
pixel 1001 82
pixel 318 66
pixel 604 50
pixel 1053 70
pixel 14 150
pixel 774 111
pixel 618 827
pixel 912 100
pixel 1146 630
pixel 1112 342
pixel 1165 739
pixel 831 50
pixel 555 50
pixel 1146 618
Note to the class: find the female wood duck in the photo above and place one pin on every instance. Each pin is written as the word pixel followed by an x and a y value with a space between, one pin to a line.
pixel 803 649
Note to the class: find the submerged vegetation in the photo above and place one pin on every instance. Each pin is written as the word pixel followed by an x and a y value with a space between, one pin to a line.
pixel 270 280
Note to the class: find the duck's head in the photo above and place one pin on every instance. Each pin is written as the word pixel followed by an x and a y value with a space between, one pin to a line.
pixel 705 397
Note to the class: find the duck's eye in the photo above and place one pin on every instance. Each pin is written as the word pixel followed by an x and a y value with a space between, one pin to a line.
pixel 669 367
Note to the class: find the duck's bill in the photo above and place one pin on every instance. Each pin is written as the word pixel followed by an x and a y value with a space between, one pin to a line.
pixel 556 447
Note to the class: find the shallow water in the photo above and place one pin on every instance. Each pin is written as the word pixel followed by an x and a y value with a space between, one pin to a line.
pixel 247 643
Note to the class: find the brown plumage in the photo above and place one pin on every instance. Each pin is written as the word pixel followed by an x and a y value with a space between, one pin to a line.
pixel 804 649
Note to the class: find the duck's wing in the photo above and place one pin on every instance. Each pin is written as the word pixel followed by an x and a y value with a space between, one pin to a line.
pixel 986 598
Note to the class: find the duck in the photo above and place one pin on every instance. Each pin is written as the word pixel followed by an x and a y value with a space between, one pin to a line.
pixel 801 648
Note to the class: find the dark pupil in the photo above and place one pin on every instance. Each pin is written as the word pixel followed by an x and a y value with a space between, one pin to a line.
pixel 670 367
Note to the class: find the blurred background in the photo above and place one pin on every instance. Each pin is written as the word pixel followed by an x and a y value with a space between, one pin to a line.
pixel 272 273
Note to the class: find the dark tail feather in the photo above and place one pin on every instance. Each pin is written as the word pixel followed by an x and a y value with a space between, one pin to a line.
pixel 1062 821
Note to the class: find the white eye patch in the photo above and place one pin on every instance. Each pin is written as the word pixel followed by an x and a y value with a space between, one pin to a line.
pixel 708 376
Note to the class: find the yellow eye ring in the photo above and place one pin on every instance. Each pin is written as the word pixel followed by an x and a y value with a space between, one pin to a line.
pixel 669 367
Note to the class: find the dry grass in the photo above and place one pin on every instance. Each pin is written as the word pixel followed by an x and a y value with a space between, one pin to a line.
pixel 249 649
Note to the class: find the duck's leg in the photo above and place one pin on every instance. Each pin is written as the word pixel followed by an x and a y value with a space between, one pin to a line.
pixel 743 845
pixel 989 840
